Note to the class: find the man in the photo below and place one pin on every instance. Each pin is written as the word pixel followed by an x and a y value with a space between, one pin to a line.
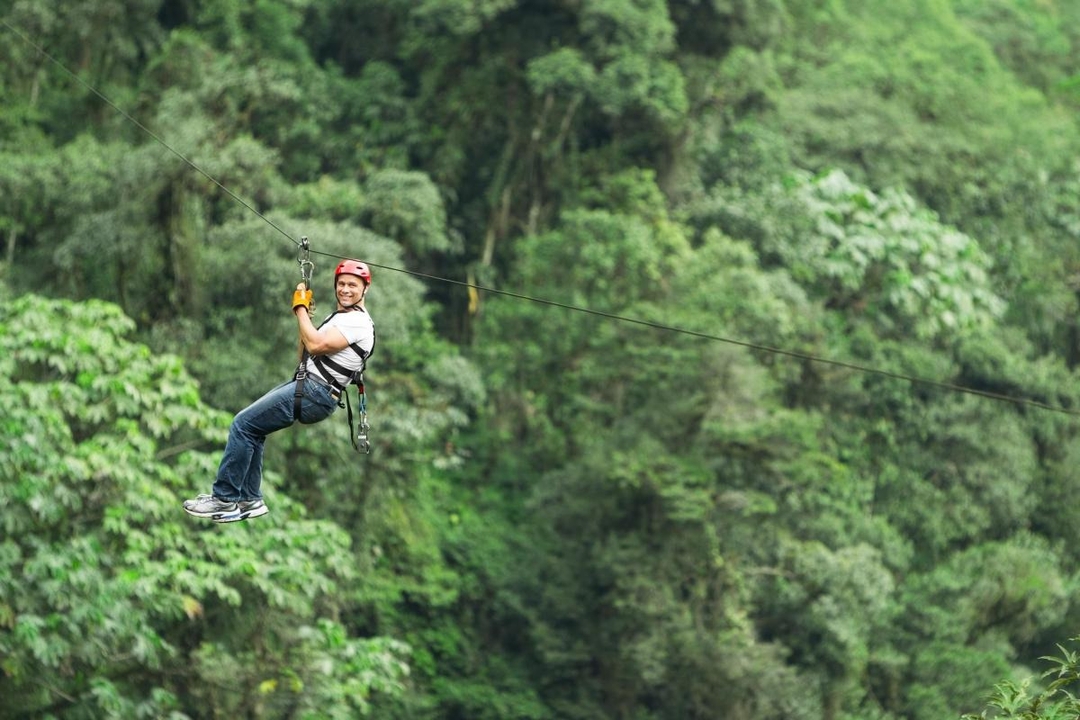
pixel 333 354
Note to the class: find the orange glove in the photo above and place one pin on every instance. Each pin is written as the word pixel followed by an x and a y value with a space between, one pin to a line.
pixel 302 298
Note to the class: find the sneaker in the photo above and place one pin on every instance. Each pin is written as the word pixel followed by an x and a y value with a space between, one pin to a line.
pixel 208 506
pixel 245 509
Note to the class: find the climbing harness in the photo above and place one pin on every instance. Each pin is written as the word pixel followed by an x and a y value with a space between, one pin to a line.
pixel 359 435
pixel 325 365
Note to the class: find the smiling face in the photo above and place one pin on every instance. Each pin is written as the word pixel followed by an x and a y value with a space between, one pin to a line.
pixel 349 290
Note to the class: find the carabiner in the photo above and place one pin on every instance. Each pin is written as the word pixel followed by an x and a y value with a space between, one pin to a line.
pixel 303 256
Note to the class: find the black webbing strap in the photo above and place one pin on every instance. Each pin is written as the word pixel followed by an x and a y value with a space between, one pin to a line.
pixel 348 408
pixel 298 396
pixel 324 363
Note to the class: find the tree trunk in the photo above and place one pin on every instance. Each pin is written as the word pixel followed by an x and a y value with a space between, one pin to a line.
pixel 9 256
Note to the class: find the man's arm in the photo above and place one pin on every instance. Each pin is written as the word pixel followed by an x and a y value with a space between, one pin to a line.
pixel 317 342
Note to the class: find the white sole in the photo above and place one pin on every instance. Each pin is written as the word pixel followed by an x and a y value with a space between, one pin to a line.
pixel 242 515
pixel 209 515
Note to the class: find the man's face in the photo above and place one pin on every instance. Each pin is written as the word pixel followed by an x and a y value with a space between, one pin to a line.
pixel 349 289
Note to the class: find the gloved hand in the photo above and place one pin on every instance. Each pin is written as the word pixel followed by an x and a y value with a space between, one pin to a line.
pixel 303 297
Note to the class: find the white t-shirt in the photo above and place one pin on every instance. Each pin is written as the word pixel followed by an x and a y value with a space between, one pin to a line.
pixel 357 327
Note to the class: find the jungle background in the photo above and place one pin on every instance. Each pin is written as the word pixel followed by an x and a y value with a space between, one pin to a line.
pixel 564 515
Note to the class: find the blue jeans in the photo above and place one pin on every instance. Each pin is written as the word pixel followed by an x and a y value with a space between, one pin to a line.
pixel 239 475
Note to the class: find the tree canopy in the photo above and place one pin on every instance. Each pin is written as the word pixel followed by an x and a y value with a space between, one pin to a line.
pixel 726 363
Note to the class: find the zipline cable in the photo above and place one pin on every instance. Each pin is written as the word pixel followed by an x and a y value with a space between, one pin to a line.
pixel 741 343
pixel 553 303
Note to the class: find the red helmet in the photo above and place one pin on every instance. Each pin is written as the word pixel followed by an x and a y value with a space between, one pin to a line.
pixel 353 267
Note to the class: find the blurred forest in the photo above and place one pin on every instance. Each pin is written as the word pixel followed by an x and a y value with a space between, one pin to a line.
pixel 564 516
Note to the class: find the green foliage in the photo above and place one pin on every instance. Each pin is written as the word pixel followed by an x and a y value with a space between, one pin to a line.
pixel 567 516
pixel 951 677
pixel 1023 700
pixel 1035 42
pixel 614 24
pixel 406 206
pixel 377 127
pixel 910 99
pixel 564 71
pixel 113 601
pixel 1011 590
pixel 327 198
pixel 881 258
pixel 459 17
pixel 622 67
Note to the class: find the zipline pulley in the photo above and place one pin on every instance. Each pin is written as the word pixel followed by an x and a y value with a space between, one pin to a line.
pixel 303 256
